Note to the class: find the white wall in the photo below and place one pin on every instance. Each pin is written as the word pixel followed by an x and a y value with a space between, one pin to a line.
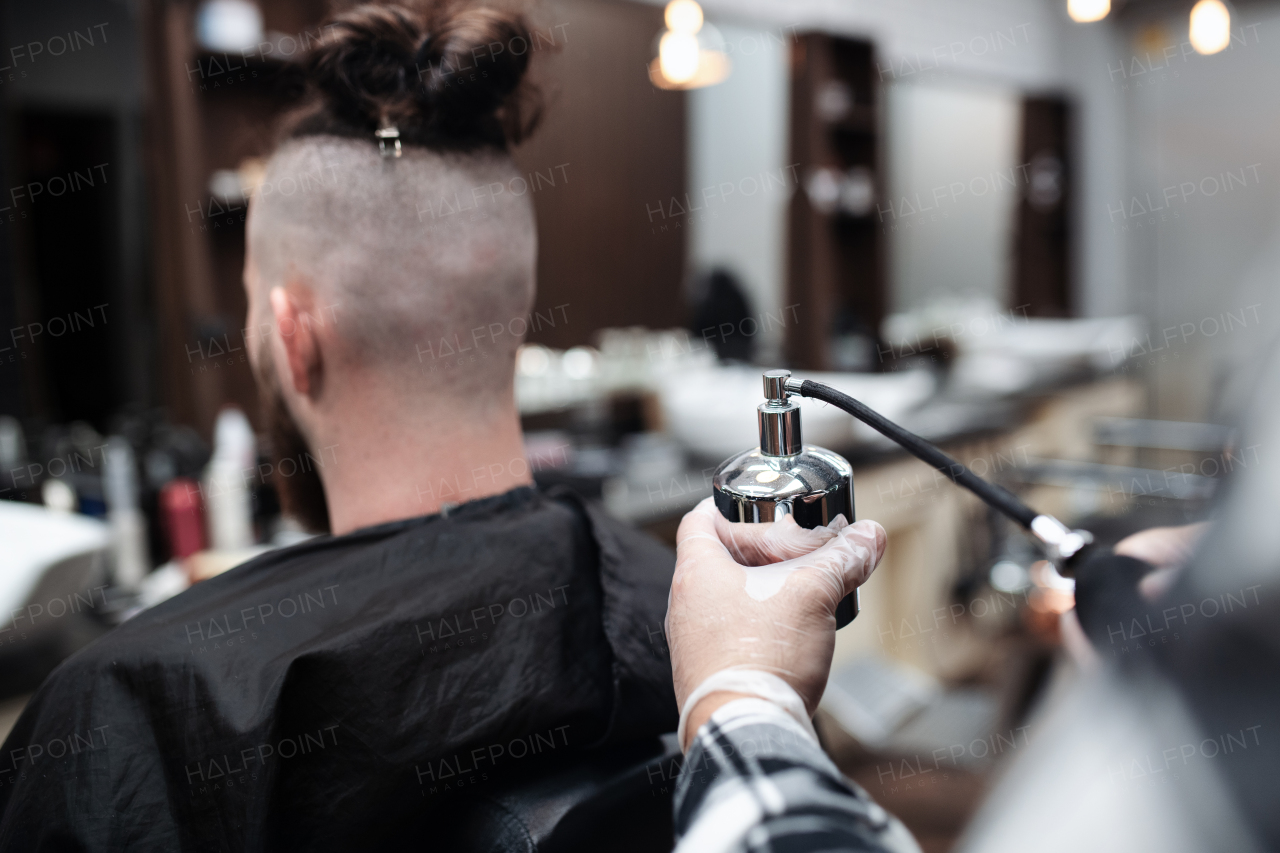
pixel 1194 120
pixel 1100 137
pixel 952 189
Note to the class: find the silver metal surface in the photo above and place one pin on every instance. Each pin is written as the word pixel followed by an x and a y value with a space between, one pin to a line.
pixel 388 132
pixel 779 419
pixel 1060 542
pixel 814 486
pixel 775 385
pixel 783 477
pixel 779 429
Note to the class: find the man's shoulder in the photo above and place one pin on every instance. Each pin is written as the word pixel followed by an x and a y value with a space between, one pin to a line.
pixel 635 574
pixel 640 557
pixel 310 578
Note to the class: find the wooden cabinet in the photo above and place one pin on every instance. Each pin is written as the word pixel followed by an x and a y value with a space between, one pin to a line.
pixel 1042 248
pixel 208 112
pixel 836 264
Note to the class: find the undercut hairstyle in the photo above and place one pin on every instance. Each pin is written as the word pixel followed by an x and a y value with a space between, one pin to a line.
pixel 447 75
pixel 410 255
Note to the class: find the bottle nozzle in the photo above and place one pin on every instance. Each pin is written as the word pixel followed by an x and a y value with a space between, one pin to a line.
pixel 775 386
pixel 779 417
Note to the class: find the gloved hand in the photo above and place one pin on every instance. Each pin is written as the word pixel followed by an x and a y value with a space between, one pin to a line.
pixel 761 544
pixel 733 606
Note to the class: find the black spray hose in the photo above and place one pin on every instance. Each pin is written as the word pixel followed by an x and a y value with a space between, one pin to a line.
pixel 997 496
pixel 1066 547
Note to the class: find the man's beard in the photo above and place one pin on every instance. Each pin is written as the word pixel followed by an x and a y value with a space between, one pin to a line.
pixel 301 494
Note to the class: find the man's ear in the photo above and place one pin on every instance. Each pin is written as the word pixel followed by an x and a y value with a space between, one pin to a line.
pixel 297 338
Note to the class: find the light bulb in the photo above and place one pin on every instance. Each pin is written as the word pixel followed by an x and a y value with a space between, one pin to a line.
pixel 229 25
pixel 691 52
pixel 678 56
pixel 1210 26
pixel 1088 11
pixel 683 16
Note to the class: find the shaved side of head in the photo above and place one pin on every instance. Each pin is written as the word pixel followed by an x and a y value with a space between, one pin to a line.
pixel 418 259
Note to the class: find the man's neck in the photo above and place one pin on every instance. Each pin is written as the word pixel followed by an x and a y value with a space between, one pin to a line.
pixel 389 465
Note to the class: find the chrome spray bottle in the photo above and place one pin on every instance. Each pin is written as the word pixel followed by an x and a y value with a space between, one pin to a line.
pixel 783 476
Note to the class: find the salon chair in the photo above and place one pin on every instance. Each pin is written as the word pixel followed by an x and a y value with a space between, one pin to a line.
pixel 618 799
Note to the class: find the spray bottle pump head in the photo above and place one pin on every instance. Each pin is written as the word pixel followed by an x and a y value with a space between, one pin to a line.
pixel 779 417
pixel 775 386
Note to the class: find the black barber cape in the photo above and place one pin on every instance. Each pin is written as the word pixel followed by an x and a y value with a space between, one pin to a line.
pixel 346 692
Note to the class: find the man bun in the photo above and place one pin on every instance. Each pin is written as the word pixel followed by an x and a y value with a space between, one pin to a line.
pixel 447 76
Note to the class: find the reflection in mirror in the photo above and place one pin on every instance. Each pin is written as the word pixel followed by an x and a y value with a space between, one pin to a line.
pixel 739 179
pixel 953 186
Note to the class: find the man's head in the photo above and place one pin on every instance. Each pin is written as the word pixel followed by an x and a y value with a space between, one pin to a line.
pixel 381 259
pixel 371 276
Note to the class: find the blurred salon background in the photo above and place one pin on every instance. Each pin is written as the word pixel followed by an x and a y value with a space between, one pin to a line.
pixel 1044 234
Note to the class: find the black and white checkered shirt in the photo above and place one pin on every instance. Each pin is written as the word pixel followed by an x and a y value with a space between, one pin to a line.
pixel 754 780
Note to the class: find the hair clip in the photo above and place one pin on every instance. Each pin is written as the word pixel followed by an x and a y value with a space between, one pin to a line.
pixel 384 133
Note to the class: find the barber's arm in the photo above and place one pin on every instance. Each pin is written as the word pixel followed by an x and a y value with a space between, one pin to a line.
pixel 751 627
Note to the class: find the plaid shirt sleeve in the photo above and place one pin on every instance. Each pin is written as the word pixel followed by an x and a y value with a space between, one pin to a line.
pixel 754 780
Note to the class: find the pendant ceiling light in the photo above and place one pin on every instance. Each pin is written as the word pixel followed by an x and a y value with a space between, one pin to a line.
pixel 690 52
pixel 1088 11
pixel 1210 26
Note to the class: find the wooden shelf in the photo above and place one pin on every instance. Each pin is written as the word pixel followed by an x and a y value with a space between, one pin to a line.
pixel 835 259
pixel 207 111
pixel 861 119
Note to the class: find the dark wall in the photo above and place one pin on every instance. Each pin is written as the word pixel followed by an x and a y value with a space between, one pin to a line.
pixel 1042 263
pixel 614 144
pixel 71 90
pixel 70 259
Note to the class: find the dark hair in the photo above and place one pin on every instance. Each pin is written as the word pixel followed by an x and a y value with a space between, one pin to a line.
pixel 447 76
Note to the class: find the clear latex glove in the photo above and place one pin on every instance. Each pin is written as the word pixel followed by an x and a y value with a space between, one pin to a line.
pixel 777 617
pixel 760 544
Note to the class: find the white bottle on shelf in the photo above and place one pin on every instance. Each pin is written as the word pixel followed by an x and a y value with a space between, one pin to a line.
pixel 228 503
pixel 128 524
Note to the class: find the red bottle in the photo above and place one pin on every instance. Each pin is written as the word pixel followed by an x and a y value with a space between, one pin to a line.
pixel 183 514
